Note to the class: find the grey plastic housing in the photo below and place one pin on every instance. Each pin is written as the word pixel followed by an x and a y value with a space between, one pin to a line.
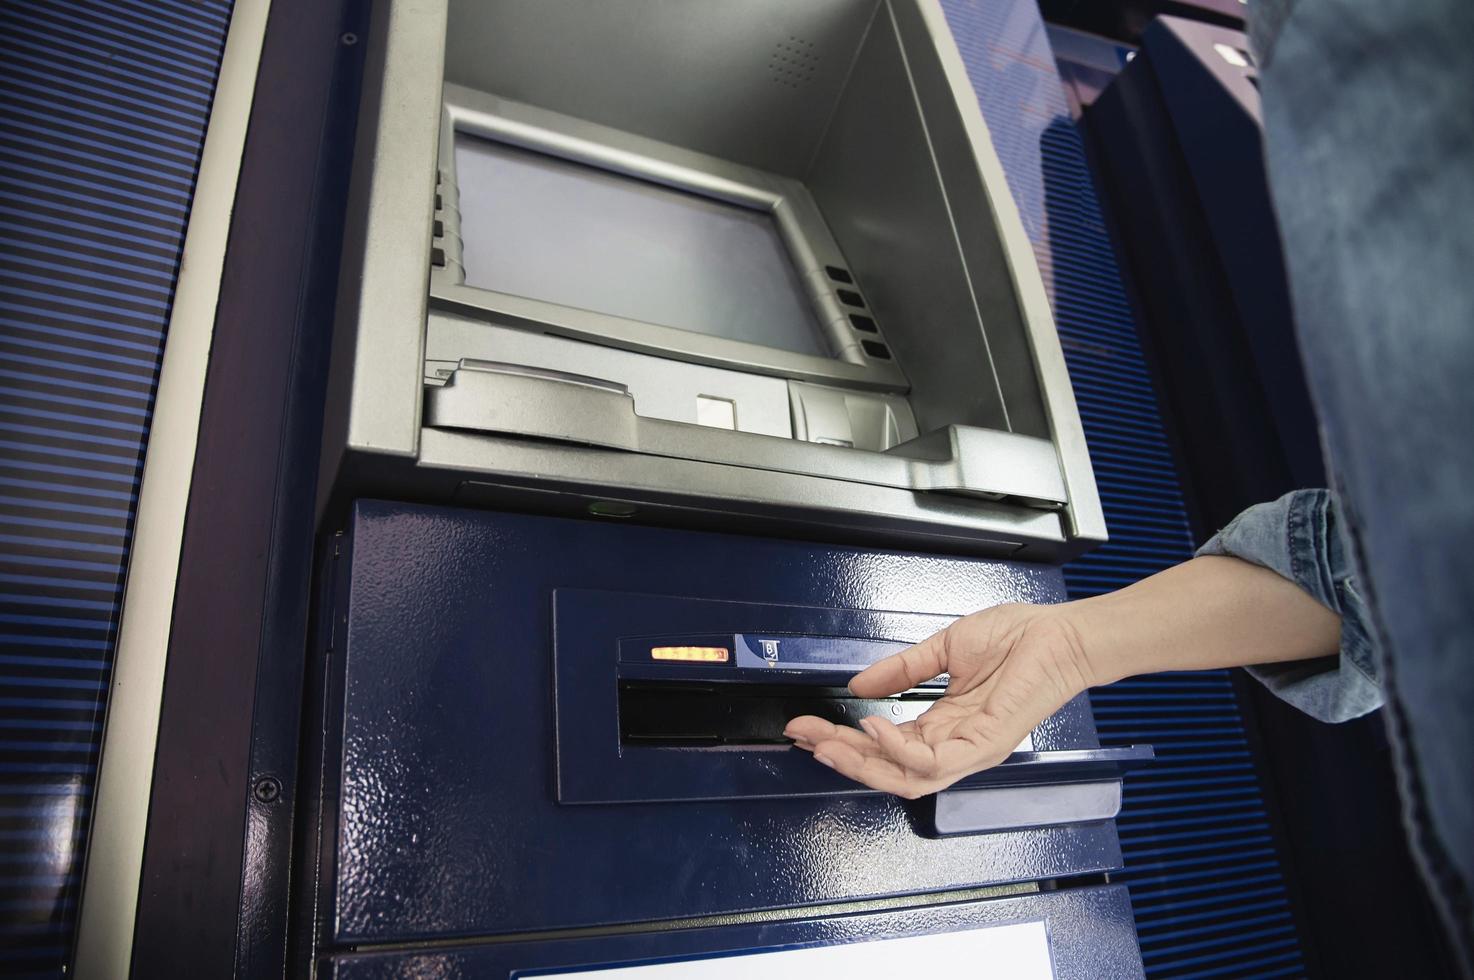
pixel 946 422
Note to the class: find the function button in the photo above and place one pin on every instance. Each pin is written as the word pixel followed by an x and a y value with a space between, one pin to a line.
pixel 838 274
pixel 863 322
pixel 876 349
pixel 437 259
pixel 851 297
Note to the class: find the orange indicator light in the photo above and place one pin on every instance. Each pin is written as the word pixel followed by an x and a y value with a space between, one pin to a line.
pixel 707 655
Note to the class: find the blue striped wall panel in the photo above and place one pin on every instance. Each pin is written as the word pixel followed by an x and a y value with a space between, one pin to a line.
pixel 102 113
pixel 1205 879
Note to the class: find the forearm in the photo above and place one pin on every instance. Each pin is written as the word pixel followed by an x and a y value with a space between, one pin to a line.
pixel 1013 665
pixel 1210 612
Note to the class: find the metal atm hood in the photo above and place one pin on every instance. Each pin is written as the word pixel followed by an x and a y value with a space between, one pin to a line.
pixel 738 265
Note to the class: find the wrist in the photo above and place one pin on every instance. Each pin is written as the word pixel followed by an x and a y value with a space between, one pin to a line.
pixel 1095 623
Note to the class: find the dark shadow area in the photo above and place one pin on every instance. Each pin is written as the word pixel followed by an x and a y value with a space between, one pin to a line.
pixel 1208 305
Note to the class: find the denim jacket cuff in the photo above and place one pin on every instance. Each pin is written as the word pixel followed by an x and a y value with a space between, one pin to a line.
pixel 1297 537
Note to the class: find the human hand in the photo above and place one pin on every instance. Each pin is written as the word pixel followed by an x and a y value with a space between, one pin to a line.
pixel 1011 667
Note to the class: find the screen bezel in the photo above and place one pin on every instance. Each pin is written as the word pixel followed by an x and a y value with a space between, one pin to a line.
pixel 799 223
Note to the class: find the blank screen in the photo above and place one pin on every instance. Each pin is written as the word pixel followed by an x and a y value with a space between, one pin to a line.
pixel 545 228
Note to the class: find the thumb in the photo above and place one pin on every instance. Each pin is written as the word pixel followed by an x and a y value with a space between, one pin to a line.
pixel 904 670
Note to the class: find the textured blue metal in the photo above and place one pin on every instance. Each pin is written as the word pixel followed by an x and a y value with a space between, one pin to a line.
pixel 102 113
pixel 447 821
pixel 1204 876
pixel 1089 930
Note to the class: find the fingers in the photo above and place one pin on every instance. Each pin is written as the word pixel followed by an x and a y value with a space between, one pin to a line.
pixel 910 752
pixel 852 753
pixel 872 769
pixel 904 670
pixel 918 757
pixel 863 757
pixel 939 758
pixel 808 731
pixel 976 725
pixel 811 730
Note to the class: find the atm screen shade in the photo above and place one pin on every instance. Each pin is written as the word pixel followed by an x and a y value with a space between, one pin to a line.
pixel 550 229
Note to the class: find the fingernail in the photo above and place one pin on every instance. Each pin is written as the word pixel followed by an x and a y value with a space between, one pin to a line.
pixel 803 743
pixel 869 726
pixel 824 759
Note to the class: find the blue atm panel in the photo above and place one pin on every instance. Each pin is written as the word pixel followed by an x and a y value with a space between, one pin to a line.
pixel 475 735
pixel 1081 934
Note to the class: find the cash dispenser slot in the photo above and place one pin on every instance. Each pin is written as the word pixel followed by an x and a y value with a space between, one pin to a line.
pixel 692 697
pixel 742 689
pixel 692 713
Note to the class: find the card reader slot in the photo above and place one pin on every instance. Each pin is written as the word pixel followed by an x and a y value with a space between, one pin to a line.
pixel 693 714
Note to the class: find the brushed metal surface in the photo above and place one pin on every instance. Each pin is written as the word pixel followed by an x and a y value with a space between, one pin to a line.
pixel 662 388
pixel 757 79
pixel 901 172
pixel 1084 516
pixel 960 460
pixel 691 492
pixel 875 179
pixel 387 250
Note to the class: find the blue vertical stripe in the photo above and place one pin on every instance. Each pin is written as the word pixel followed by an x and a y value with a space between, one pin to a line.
pixel 102 114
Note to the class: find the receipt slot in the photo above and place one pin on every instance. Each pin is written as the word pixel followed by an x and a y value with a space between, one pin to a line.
pixel 536 724
pixel 722 264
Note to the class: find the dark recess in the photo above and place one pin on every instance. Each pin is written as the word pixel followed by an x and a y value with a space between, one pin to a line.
pixel 213 898
pixel 1167 144
pixel 1125 20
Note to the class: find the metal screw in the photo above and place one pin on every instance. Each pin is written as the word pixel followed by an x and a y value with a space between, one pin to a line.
pixel 349 39
pixel 267 789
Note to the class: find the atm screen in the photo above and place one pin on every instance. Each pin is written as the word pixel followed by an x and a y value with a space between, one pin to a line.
pixel 545 228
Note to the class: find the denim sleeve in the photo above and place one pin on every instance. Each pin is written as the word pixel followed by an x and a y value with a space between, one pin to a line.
pixel 1297 536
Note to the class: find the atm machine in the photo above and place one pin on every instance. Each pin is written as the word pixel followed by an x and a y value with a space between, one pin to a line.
pixel 687 361
pixel 750 267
